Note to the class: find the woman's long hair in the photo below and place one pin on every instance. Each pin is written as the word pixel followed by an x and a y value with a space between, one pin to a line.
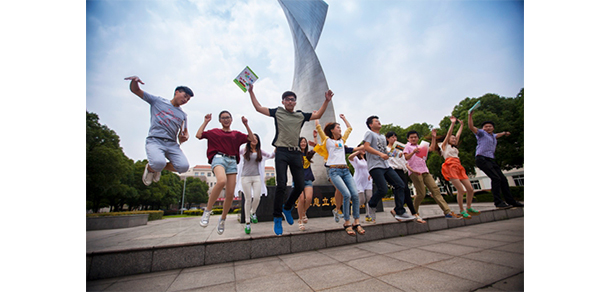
pixel 308 154
pixel 259 155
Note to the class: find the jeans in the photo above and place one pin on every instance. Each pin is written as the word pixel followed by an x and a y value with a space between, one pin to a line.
pixel 408 198
pixel 383 176
pixel 344 182
pixel 283 160
pixel 498 180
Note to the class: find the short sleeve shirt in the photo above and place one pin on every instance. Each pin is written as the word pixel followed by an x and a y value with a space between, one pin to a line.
pixel 486 144
pixel 288 126
pixel 415 162
pixel 379 143
pixel 166 120
pixel 224 142
pixel 336 152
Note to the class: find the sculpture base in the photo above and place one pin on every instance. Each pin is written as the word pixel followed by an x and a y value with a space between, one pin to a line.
pixel 322 204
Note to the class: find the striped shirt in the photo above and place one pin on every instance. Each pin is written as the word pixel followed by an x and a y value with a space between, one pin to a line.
pixel 486 144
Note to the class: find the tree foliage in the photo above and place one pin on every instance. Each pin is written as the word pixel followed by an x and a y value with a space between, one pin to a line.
pixel 506 113
pixel 113 180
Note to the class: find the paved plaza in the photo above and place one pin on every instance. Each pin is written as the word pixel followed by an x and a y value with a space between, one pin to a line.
pixel 480 257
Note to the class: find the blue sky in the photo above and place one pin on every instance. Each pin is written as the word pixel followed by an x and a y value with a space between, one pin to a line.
pixel 405 61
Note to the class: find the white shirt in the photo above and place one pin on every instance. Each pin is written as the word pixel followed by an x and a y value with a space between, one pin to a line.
pixel 336 152
pixel 449 151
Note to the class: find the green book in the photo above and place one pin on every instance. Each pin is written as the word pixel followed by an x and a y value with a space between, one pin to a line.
pixel 245 78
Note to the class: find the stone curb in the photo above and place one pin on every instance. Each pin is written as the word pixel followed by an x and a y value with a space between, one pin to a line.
pixel 108 264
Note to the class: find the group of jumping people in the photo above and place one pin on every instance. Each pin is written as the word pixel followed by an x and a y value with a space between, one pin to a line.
pixel 378 160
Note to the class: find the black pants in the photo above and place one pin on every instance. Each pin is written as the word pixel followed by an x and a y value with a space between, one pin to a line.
pixel 283 160
pixel 381 178
pixel 498 180
pixel 408 198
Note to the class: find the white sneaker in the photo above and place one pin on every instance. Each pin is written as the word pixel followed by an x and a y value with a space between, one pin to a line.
pixel 205 219
pixel 404 217
pixel 147 177
pixel 156 176
pixel 221 226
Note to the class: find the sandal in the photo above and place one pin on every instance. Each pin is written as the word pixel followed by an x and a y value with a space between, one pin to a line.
pixel 305 219
pixel 301 225
pixel 359 229
pixel 419 219
pixel 349 230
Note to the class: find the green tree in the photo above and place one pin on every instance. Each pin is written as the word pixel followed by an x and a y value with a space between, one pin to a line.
pixel 109 171
pixel 270 181
pixel 196 191
pixel 506 113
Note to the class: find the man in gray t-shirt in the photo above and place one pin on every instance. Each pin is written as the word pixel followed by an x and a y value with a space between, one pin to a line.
pixel 288 123
pixel 381 172
pixel 167 121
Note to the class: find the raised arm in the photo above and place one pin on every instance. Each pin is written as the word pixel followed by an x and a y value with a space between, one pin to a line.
pixel 134 87
pixel 502 134
pixel 471 124
pixel 328 96
pixel 206 120
pixel 315 139
pixel 459 132
pixel 449 133
pixel 251 136
pixel 433 143
pixel 347 124
pixel 259 108
pixel 323 136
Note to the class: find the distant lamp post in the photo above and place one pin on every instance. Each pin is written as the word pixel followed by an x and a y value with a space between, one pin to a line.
pixel 183 190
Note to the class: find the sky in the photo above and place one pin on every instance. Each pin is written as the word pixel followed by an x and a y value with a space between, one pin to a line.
pixel 404 61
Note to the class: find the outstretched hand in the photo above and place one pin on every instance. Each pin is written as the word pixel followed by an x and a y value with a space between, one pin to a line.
pixel 207 118
pixel 134 78
pixel 251 87
pixel 244 120
pixel 329 95
pixel 433 133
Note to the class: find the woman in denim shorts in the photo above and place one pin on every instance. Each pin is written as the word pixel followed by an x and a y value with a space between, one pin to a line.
pixel 307 194
pixel 223 155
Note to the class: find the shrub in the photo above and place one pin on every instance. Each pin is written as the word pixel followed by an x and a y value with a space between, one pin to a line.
pixel 152 215
pixel 193 212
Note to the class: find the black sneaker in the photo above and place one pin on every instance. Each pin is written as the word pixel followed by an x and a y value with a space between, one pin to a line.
pixel 517 204
pixel 503 205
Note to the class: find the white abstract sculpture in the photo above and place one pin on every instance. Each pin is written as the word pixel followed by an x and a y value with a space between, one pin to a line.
pixel 306 20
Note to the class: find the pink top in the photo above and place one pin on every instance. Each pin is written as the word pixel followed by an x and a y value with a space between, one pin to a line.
pixel 415 162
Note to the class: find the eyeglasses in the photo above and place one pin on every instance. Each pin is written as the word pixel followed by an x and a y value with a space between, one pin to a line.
pixel 290 99
pixel 225 118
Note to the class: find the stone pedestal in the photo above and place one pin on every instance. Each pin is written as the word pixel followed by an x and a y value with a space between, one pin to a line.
pixel 321 206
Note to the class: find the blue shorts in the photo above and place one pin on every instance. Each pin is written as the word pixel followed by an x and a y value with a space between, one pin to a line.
pixel 308 184
pixel 229 164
